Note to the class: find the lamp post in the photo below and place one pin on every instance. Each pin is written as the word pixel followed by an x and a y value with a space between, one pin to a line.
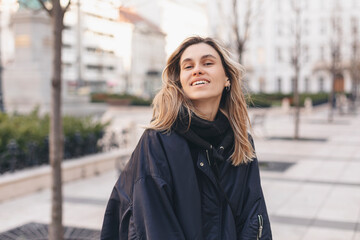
pixel 2 109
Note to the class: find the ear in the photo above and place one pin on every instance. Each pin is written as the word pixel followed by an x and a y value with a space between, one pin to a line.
pixel 227 82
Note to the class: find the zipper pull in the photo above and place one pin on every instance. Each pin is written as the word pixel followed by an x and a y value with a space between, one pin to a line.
pixel 261 222
pixel 207 156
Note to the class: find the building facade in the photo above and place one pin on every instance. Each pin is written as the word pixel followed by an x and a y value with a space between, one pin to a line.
pixel 143 49
pixel 105 49
pixel 271 42
pixel 91 62
pixel 109 48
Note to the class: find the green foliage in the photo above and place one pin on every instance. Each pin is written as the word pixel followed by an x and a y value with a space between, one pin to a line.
pixel 317 99
pixel 30 133
pixel 258 101
pixel 22 129
pixel 263 100
pixel 132 100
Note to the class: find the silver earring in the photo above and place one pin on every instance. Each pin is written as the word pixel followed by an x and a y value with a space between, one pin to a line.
pixel 227 88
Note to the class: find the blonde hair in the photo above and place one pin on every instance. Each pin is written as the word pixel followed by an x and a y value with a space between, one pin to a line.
pixel 168 102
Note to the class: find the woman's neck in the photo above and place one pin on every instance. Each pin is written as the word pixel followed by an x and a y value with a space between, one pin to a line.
pixel 206 110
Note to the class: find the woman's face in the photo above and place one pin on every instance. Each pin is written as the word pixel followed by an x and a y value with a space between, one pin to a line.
pixel 202 74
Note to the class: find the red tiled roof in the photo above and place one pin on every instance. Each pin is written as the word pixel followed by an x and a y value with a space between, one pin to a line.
pixel 130 16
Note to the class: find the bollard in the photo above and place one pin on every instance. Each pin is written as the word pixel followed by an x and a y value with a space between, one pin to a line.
pixel 285 105
pixel 308 105
pixel 78 144
pixel 91 143
pixel 13 150
pixel 31 159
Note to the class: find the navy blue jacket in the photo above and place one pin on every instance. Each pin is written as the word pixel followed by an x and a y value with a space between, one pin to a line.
pixel 160 197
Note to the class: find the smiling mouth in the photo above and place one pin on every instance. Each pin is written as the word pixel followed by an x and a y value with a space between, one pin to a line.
pixel 199 82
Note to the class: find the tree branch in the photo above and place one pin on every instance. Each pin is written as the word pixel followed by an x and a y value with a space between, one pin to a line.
pixel 49 11
pixel 67 7
pixel 236 23
pixel 247 21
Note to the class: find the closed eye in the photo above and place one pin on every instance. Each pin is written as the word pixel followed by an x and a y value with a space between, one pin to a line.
pixel 208 64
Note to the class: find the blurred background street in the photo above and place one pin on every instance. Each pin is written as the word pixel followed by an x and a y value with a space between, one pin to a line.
pixel 312 186
pixel 102 68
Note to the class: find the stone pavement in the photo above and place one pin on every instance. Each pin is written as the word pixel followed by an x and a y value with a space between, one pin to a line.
pixel 317 197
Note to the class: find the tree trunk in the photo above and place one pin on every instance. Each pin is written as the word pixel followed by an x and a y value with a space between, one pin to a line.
pixel 56 135
pixel 332 99
pixel 296 64
pixel 240 50
pixel 297 105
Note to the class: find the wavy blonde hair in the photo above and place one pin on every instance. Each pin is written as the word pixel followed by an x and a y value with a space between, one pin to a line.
pixel 168 102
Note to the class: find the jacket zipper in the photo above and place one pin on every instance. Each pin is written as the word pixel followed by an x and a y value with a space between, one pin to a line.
pixel 220 208
pixel 261 222
pixel 207 156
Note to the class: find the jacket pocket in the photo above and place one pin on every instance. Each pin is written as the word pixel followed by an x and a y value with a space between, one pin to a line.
pixel 253 228
pixel 127 226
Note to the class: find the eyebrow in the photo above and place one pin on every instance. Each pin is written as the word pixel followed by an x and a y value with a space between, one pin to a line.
pixel 203 57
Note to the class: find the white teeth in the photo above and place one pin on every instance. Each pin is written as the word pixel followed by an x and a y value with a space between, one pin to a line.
pixel 198 83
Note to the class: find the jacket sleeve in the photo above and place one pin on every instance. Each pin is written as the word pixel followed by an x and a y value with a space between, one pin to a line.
pixel 254 221
pixel 110 227
pixel 141 204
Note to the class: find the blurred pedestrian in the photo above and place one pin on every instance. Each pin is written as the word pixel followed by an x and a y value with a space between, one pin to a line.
pixel 194 173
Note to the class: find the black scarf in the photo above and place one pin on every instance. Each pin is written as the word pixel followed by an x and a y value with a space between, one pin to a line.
pixel 216 136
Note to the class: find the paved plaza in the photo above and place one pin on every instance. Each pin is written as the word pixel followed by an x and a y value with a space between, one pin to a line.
pixel 316 196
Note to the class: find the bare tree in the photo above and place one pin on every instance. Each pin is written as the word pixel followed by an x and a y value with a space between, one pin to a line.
pixel 56 13
pixel 295 62
pixel 242 22
pixel 354 67
pixel 335 67
pixel 241 34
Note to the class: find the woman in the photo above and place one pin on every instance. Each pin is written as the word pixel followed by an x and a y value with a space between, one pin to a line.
pixel 194 173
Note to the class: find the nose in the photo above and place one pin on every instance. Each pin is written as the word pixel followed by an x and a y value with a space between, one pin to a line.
pixel 197 71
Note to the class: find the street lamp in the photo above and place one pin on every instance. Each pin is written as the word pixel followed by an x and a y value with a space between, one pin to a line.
pixel 2 109
pixel 10 6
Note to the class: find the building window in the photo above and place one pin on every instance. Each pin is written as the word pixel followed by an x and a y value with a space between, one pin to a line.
pixel 292 84
pixel 306 54
pixel 291 54
pixel 354 25
pixel 95 67
pixel 261 84
pixel 306 27
pixel 321 84
pixel 322 26
pixel 66 64
pixel 322 53
pixel 278 54
pixel 306 87
pixel 99 50
pixel 100 67
pixel 97 33
pixel 279 83
pixel 66 45
pixel 279 28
